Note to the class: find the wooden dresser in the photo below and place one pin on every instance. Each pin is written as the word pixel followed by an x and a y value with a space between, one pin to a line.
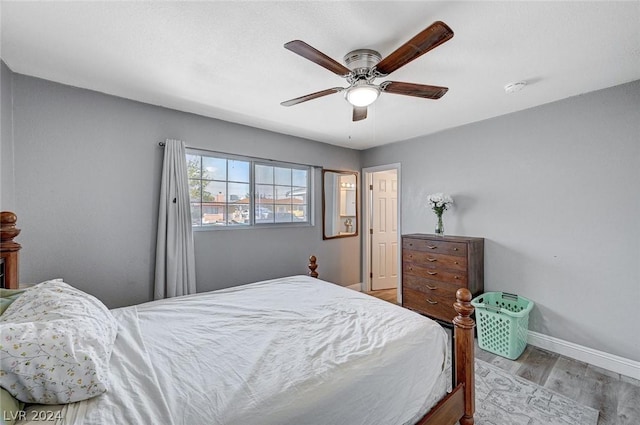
pixel 435 267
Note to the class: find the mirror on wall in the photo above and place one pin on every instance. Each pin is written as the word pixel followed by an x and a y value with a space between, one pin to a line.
pixel 339 204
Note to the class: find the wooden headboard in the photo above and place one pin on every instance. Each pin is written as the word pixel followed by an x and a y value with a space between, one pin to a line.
pixel 9 249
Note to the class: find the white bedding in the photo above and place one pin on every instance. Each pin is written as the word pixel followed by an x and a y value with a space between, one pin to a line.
pixel 291 351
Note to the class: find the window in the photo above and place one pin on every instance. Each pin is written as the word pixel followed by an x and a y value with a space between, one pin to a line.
pixel 233 191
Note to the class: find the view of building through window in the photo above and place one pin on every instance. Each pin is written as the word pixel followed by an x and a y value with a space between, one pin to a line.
pixel 234 191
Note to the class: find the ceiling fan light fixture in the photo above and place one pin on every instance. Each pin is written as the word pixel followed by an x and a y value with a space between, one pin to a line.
pixel 362 95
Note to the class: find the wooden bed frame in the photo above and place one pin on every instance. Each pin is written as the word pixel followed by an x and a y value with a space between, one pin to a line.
pixel 458 405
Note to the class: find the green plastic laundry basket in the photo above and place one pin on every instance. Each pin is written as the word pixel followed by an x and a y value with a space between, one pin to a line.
pixel 503 323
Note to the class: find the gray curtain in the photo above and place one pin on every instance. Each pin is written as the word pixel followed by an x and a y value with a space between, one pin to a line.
pixel 175 258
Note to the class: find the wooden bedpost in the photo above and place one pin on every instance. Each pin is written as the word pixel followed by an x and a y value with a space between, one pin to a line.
pixel 313 266
pixel 464 352
pixel 458 406
pixel 9 249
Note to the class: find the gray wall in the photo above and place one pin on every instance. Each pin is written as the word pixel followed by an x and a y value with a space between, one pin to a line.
pixel 555 192
pixel 6 139
pixel 87 181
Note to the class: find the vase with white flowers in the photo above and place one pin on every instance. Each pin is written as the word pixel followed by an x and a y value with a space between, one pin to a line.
pixel 439 203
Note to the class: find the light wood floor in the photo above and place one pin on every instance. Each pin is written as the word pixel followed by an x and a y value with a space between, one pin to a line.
pixel 390 295
pixel 616 396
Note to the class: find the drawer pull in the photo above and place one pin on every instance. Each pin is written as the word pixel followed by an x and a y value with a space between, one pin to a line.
pixel 431 301
pixel 431 246
pixel 455 249
pixel 456 277
pixel 433 288
pixel 433 273
pixel 432 259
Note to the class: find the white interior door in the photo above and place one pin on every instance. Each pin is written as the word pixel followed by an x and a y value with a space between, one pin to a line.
pixel 384 235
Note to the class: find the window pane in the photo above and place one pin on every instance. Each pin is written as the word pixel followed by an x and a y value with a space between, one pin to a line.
pixel 214 168
pixel 264 174
pixel 299 194
pixel 193 166
pixel 299 177
pixel 239 214
pixel 299 213
pixel 264 193
pixel 194 190
pixel 239 192
pixel 283 194
pixel 214 191
pixel 264 213
pixel 213 213
pixel 283 176
pixel 283 214
pixel 238 171
pixel 196 214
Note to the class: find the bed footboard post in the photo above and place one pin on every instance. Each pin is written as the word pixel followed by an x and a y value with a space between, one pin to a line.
pixel 464 352
pixel 312 266
pixel 9 249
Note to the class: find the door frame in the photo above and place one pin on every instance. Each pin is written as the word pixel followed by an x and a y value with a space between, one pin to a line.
pixel 367 214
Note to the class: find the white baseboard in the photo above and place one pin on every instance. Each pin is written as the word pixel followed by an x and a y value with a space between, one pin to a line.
pixel 601 359
pixel 355 286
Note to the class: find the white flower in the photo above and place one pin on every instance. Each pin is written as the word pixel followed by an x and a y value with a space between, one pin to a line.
pixel 439 202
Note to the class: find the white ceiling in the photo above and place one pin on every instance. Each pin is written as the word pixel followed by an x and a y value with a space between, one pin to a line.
pixel 226 59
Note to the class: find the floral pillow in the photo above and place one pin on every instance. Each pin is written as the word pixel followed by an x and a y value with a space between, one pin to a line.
pixel 55 345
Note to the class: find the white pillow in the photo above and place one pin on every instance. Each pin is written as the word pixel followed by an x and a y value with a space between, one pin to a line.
pixel 55 345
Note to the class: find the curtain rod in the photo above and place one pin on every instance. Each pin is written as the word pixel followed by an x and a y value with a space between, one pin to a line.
pixel 162 144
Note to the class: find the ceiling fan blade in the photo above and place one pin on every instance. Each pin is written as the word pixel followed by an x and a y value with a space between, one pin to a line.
pixel 359 113
pixel 316 56
pixel 311 96
pixel 430 38
pixel 411 89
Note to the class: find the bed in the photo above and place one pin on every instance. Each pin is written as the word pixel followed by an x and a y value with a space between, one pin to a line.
pixel 295 350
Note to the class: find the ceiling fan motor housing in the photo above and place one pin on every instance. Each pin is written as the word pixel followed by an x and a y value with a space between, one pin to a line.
pixel 361 61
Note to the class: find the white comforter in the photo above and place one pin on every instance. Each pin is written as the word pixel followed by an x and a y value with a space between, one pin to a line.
pixel 289 351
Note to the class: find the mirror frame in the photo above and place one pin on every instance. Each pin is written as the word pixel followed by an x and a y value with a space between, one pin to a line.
pixel 325 227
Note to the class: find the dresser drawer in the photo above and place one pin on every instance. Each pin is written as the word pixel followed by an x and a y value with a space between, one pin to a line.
pixel 435 261
pixel 429 286
pixel 436 305
pixel 457 277
pixel 458 249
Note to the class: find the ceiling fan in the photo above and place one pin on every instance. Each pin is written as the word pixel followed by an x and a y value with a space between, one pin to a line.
pixel 363 66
